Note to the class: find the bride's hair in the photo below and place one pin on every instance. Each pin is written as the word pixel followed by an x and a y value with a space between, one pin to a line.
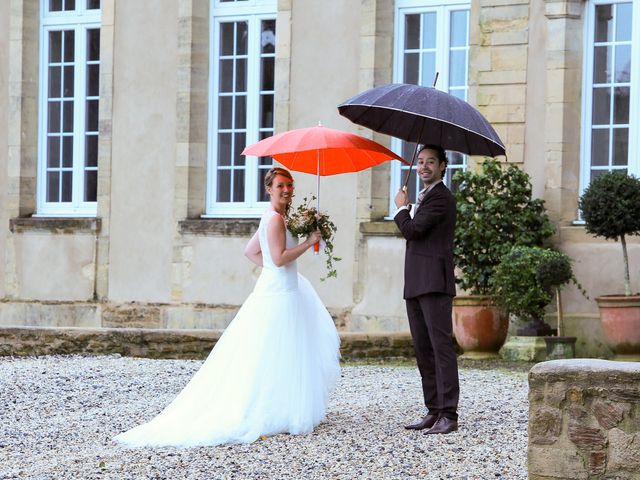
pixel 271 175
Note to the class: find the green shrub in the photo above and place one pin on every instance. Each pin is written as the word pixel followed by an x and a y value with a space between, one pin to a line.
pixel 526 278
pixel 495 212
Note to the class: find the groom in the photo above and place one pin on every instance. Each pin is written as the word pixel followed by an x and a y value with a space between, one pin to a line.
pixel 429 288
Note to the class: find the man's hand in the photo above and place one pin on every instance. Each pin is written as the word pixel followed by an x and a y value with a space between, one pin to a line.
pixel 401 198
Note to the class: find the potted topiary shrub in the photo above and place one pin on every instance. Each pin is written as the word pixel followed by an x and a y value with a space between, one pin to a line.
pixel 495 212
pixel 611 209
pixel 526 281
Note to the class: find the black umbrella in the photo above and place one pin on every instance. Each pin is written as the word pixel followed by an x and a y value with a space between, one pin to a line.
pixel 424 115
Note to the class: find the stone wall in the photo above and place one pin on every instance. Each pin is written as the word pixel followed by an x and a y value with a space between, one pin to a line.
pixel 166 343
pixel 584 420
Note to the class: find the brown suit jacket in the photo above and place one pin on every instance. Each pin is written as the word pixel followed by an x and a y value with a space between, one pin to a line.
pixel 428 261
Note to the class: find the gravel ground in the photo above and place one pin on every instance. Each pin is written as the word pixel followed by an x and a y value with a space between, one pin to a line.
pixel 59 413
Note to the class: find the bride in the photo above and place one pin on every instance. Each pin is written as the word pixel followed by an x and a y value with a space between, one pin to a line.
pixel 273 368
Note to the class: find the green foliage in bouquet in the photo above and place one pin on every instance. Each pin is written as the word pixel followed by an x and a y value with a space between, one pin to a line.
pixel 304 220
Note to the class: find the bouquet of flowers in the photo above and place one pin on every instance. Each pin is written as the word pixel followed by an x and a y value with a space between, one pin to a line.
pixel 304 220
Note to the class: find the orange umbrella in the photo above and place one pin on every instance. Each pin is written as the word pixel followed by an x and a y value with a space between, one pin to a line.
pixel 322 151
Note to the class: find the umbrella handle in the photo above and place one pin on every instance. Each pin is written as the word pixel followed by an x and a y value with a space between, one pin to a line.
pixel 413 160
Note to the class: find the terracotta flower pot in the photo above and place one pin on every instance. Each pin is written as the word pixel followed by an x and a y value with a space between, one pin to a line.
pixel 480 327
pixel 620 317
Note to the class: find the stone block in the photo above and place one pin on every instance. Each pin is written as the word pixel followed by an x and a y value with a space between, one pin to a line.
pixel 524 349
pixel 598 437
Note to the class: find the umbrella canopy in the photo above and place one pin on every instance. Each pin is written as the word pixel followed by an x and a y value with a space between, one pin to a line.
pixel 424 115
pixel 322 151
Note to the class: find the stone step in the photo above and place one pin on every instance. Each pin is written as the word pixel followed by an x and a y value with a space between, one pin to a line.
pixel 164 343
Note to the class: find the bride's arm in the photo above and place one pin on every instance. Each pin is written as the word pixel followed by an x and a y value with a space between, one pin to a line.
pixel 252 250
pixel 276 236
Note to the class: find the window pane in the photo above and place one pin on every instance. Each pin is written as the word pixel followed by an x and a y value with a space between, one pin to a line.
pixel 266 111
pixel 226 75
pixel 459 25
pixel 623 21
pixel 226 38
pixel 602 65
pixel 267 73
pixel 241 112
pixel 68 81
pixel 67 185
pixel 69 47
pixel 53 117
pixel 458 68
pixel 241 75
pixel 621 105
pixel 224 149
pixel 55 80
pixel 428 69
pixel 224 186
pixel 262 192
pixel 91 151
pixel 623 63
pixel 411 65
pixel 600 147
pixel 69 5
pixel 53 152
pixel 240 143
pixel 53 186
pixel 268 36
pixel 238 185
pixel 55 5
pixel 429 30
pixel 601 111
pixel 242 37
pixel 67 116
pixel 225 105
pixel 90 186
pixel 92 115
pixel 67 152
pixel 93 44
pixel 93 80
pixel 411 31
pixel 55 46
pixel 93 4
pixel 604 23
pixel 620 146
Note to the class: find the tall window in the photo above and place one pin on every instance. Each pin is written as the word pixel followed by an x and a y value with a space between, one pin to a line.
pixel 431 37
pixel 69 98
pixel 243 39
pixel 611 121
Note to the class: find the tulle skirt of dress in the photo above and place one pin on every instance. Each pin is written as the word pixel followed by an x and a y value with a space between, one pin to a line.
pixel 271 372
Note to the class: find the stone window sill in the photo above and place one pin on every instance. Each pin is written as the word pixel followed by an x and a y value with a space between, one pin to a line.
pixel 58 225
pixel 219 227
pixel 380 229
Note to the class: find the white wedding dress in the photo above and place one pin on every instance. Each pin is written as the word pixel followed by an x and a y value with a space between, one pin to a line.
pixel 271 371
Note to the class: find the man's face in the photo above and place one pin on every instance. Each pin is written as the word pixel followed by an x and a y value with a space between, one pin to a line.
pixel 429 167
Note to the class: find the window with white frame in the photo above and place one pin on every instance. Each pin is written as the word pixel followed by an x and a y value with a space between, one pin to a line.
pixel 611 121
pixel 430 38
pixel 241 107
pixel 69 99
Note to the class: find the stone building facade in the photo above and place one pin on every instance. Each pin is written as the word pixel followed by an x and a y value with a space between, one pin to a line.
pixel 124 200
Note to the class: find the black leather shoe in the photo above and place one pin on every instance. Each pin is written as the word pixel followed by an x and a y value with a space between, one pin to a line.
pixel 443 425
pixel 427 422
